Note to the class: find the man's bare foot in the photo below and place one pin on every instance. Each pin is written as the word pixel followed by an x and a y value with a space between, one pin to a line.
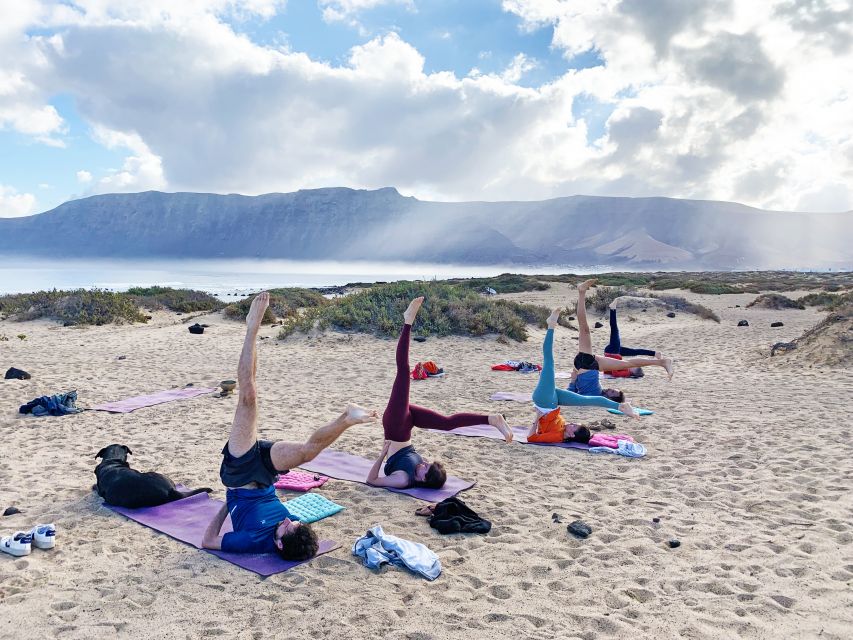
pixel 628 410
pixel 666 363
pixel 658 355
pixel 412 310
pixel 355 414
pixel 586 284
pixel 499 423
pixel 553 319
pixel 257 310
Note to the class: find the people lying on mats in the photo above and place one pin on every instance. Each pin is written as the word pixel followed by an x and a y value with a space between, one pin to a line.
pixel 585 375
pixel 250 468
pixel 405 466
pixel 549 425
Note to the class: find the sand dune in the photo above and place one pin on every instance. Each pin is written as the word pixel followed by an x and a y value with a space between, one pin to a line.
pixel 749 466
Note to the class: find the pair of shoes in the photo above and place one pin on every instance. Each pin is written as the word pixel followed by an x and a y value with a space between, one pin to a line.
pixel 43 536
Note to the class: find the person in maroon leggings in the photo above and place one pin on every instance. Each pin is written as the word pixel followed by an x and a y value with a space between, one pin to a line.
pixel 405 466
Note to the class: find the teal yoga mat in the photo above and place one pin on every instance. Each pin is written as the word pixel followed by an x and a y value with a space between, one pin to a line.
pixel 642 412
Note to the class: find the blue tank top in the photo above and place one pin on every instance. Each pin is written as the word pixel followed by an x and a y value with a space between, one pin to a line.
pixel 407 460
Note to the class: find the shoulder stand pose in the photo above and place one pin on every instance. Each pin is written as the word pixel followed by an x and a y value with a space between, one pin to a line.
pixel 549 425
pixel 615 349
pixel 405 467
pixel 585 376
pixel 250 467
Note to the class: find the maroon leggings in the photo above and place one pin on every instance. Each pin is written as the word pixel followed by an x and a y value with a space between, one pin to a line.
pixel 400 417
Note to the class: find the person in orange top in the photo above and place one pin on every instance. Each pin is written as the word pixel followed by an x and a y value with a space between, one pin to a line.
pixel 549 425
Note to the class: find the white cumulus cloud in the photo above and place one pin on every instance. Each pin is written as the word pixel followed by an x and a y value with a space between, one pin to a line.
pixel 14 204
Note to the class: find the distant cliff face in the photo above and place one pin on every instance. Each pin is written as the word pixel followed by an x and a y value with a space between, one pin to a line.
pixel 347 224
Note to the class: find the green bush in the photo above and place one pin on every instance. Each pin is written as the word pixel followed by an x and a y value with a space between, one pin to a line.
pixel 775 301
pixel 284 303
pixel 504 283
pixel 448 310
pixel 80 306
pixel 600 298
pixel 677 303
pixel 183 300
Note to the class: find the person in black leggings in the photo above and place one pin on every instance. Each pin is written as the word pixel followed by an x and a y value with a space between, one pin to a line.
pixel 405 466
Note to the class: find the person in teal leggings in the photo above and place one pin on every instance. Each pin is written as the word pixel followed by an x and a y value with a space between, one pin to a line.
pixel 547 396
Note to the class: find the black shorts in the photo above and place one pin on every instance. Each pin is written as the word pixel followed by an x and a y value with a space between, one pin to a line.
pixel 586 361
pixel 253 466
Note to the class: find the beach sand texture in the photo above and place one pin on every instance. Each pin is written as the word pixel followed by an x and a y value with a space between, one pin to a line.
pixel 749 465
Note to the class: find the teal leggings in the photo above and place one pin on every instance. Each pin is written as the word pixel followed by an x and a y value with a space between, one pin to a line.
pixel 548 396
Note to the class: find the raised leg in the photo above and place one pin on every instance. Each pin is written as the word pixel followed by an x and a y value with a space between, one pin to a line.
pixel 287 455
pixel 244 428
pixel 544 395
pixel 397 419
pixel 615 344
pixel 584 337
pixel 571 399
pixel 611 364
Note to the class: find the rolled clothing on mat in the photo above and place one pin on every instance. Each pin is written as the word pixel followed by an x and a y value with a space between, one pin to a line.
pixel 376 548
pixel 345 466
pixel 186 520
pixel 624 448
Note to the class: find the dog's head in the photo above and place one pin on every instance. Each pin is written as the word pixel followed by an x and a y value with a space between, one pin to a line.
pixel 114 452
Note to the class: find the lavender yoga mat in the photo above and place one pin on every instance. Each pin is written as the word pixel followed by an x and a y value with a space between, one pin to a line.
pixel 132 404
pixel 519 435
pixel 345 466
pixel 187 519
pixel 514 397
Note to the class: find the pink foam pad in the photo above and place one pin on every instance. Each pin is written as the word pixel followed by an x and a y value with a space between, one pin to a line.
pixel 300 481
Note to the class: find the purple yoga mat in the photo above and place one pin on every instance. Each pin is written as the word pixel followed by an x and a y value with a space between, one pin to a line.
pixel 132 404
pixel 187 519
pixel 519 435
pixel 514 397
pixel 345 466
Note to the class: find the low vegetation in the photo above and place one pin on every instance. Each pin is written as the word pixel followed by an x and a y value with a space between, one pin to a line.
pixel 600 299
pixel 775 301
pixel 284 303
pixel 450 310
pixel 504 283
pixel 181 300
pixel 80 306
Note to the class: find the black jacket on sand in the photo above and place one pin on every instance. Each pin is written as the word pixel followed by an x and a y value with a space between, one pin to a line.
pixel 454 516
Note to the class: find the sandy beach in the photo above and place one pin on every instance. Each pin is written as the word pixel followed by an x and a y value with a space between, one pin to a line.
pixel 749 465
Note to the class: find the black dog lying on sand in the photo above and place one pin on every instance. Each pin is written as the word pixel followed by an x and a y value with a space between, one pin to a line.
pixel 121 486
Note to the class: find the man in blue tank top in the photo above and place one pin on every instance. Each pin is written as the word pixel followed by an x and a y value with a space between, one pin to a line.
pixel 250 467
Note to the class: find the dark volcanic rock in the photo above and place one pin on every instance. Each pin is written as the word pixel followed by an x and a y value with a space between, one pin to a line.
pixel 671 314
pixel 598 325
pixel 17 374
pixel 579 529
pixel 743 323
pixel 777 324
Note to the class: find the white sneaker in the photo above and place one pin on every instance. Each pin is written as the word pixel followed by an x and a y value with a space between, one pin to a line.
pixel 44 536
pixel 17 544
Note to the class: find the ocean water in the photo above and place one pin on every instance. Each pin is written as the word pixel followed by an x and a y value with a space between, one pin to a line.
pixel 233 277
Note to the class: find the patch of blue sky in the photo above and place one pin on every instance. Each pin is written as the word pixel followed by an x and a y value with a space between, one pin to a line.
pixel 594 112
pixel 452 35
pixel 50 173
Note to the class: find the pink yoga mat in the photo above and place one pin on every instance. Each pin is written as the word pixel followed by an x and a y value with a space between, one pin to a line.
pixel 345 466
pixel 132 404
pixel 187 519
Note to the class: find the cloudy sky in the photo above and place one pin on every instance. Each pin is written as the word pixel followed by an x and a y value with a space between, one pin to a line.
pixel 743 100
